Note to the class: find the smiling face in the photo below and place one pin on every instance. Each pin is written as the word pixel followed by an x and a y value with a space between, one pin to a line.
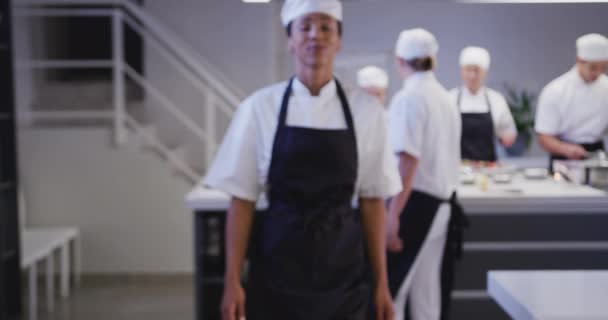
pixel 314 40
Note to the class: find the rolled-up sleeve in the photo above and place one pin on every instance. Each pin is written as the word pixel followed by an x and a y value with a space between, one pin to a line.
pixel 379 175
pixel 547 114
pixel 503 122
pixel 408 118
pixel 234 169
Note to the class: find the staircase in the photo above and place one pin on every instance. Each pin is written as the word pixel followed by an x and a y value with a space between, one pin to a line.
pixel 130 104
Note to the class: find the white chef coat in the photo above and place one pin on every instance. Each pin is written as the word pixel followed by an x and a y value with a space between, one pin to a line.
pixel 241 165
pixel 426 124
pixel 476 103
pixel 573 110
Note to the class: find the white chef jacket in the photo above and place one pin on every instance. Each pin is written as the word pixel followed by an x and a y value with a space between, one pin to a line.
pixel 573 110
pixel 426 124
pixel 241 165
pixel 476 103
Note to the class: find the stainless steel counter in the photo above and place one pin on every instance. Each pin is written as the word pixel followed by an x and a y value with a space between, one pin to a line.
pixel 520 195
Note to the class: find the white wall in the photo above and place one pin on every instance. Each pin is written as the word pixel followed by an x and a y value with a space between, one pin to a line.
pixel 127 204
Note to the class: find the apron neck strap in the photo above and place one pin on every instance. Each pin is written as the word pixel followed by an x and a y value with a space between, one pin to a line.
pixel 285 103
pixel 485 94
pixel 345 106
pixel 341 95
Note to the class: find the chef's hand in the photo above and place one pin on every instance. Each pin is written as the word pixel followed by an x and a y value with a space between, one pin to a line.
pixel 393 242
pixel 575 152
pixel 383 303
pixel 233 301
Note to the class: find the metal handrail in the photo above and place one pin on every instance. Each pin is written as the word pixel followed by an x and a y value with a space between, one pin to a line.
pixel 168 105
pixel 188 73
pixel 180 56
pixel 179 163
pixel 184 52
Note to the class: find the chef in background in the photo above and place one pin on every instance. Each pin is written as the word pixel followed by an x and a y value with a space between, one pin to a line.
pixel 486 117
pixel 572 112
pixel 374 81
pixel 425 134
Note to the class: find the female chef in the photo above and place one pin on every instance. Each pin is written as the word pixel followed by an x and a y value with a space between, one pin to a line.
pixel 425 134
pixel 312 148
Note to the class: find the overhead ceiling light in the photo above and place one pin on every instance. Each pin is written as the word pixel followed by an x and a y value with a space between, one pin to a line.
pixel 256 1
pixel 533 1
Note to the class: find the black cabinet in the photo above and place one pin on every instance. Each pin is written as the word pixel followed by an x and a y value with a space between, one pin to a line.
pixel 209 263
pixel 10 288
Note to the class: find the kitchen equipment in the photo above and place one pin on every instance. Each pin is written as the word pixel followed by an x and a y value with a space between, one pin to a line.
pixel 502 178
pixel 500 168
pixel 596 171
pixel 592 171
pixel 467 178
pixel 567 170
pixel 536 173
pixel 467 175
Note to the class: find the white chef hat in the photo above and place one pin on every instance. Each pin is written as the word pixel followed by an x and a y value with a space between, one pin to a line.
pixel 372 76
pixel 416 43
pixel 475 56
pixel 592 47
pixel 293 9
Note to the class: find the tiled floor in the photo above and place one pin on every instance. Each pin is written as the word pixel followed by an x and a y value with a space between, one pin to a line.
pixel 125 297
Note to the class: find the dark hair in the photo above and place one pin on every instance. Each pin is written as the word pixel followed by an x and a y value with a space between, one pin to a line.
pixel 288 29
pixel 421 64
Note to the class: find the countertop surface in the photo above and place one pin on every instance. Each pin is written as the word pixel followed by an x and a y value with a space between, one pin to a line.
pixel 551 295
pixel 521 194
pixel 542 196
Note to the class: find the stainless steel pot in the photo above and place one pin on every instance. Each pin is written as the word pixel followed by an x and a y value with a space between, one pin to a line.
pixel 596 171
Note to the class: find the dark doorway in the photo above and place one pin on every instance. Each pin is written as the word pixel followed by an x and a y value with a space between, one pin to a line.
pixel 90 38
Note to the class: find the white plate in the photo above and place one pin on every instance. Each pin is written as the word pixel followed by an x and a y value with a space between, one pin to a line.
pixel 536 173
pixel 502 178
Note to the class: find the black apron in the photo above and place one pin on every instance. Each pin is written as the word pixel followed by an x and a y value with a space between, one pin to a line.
pixel 415 223
pixel 589 147
pixel 307 258
pixel 477 141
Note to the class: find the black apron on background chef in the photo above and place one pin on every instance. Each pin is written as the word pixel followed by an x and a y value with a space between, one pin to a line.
pixel 313 148
pixel 425 130
pixel 485 114
pixel 572 111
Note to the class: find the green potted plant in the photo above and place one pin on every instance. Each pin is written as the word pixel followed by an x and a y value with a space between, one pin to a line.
pixel 522 104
